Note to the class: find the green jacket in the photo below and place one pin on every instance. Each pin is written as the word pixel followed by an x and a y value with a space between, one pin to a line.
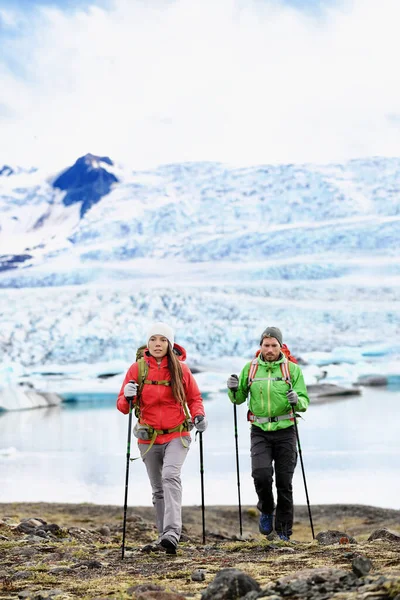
pixel 268 398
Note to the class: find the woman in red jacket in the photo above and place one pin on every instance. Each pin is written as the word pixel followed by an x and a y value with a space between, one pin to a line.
pixel 164 423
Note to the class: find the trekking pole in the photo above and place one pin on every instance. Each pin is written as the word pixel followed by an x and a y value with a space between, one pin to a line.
pixel 128 455
pixel 237 462
pixel 202 487
pixel 302 469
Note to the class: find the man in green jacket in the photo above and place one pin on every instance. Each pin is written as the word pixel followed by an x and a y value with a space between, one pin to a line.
pixel 277 389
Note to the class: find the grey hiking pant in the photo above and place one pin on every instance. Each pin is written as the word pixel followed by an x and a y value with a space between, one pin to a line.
pixel 277 449
pixel 164 463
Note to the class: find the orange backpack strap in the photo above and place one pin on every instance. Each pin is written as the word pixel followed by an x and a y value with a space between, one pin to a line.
pixel 252 371
pixel 286 372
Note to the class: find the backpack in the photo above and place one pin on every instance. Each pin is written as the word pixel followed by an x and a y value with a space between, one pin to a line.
pixel 284 366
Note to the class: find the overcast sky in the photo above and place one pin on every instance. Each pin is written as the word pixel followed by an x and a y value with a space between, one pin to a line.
pixel 239 81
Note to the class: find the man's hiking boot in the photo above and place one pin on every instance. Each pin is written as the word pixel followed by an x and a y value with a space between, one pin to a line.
pixel 265 525
pixel 169 545
pixel 283 537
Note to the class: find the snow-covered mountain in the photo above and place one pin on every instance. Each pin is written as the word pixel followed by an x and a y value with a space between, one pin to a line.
pixel 218 251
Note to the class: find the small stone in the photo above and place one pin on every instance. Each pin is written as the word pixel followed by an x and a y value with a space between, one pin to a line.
pixel 230 583
pixel 361 565
pixel 104 530
pixel 25 593
pixel 53 528
pixel 91 564
pixel 37 538
pixel 22 575
pixel 198 575
pixel 144 587
pixel 34 521
pixel 151 548
pixel 60 570
pixel 41 533
pixel 252 595
pixel 27 551
pixel 384 534
pixel 330 537
pixel 159 595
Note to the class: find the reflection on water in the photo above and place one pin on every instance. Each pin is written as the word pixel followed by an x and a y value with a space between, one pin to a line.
pixel 77 453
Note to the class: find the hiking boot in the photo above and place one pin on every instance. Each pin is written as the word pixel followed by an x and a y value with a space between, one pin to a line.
pixel 265 525
pixel 283 537
pixel 169 545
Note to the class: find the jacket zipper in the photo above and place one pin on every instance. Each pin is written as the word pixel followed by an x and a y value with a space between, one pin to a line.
pixel 159 399
pixel 269 397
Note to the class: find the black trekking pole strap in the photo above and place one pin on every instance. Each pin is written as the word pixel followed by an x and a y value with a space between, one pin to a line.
pixel 128 454
pixel 237 463
pixel 203 519
pixel 304 474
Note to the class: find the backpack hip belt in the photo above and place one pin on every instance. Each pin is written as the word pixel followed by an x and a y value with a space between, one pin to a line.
pixel 254 419
pixel 155 432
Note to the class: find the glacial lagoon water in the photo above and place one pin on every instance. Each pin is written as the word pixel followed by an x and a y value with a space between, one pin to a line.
pixel 77 453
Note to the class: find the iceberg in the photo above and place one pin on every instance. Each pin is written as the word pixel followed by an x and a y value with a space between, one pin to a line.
pixel 24 396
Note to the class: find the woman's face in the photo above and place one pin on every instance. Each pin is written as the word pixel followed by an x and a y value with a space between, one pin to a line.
pixel 158 346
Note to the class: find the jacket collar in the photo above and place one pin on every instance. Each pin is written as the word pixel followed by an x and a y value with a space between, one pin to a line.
pixel 271 364
pixel 153 361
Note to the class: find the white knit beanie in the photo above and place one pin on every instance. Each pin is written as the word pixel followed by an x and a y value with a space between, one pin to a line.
pixel 162 329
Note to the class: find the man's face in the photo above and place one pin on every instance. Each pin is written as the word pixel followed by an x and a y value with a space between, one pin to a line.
pixel 270 349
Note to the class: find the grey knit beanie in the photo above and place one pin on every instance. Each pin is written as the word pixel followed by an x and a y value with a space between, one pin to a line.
pixel 272 332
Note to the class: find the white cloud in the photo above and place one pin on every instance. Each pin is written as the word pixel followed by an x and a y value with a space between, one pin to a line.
pixel 235 80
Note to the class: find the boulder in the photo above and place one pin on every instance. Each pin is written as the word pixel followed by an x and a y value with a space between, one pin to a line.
pixel 230 584
pixel 330 537
pixel 384 534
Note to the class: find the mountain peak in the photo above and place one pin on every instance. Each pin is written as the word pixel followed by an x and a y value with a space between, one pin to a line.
pixel 93 161
pixel 6 170
pixel 87 181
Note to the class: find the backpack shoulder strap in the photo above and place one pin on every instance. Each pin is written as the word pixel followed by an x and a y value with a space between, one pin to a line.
pixel 252 371
pixel 285 370
pixel 143 369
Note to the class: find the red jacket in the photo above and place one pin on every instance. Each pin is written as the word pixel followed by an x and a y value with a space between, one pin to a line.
pixel 158 407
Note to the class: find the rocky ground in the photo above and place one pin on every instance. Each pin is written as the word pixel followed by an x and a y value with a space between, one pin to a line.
pixel 66 551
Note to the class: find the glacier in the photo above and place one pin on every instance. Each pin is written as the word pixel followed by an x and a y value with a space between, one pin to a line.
pixel 217 251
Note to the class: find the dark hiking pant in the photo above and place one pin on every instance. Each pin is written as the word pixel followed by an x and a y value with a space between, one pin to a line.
pixel 269 450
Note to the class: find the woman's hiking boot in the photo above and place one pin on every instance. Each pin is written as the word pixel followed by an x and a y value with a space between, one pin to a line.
pixel 169 545
pixel 265 524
